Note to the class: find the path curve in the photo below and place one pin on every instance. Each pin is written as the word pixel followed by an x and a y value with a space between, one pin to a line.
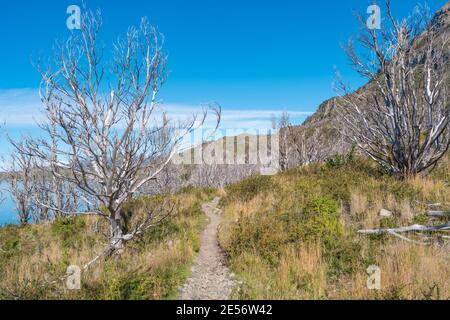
pixel 210 279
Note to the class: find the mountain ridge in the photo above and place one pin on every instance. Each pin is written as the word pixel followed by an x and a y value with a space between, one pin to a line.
pixel 326 117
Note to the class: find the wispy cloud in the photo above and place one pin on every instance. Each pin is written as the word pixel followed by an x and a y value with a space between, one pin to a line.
pixel 22 107
pixel 234 118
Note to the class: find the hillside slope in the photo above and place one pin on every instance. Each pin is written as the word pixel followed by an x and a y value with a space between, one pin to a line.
pixel 325 121
pixel 294 235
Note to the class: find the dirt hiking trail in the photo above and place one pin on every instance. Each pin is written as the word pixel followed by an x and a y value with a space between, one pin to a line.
pixel 210 279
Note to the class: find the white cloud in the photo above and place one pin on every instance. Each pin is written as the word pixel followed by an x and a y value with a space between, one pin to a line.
pixel 22 107
pixel 233 118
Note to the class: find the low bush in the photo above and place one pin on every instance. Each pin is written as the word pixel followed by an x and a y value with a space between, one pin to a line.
pixel 249 188
pixel 69 230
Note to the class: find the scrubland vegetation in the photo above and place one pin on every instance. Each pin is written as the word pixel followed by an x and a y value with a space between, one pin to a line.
pixel 34 258
pixel 294 236
pixel 290 236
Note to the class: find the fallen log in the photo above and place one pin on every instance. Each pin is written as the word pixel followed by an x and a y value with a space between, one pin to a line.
pixel 413 228
pixel 397 232
pixel 438 214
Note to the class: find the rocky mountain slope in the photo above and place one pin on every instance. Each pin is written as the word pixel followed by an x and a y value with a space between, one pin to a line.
pixel 325 121
pixel 320 137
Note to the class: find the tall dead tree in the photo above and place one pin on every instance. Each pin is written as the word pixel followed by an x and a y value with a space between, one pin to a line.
pixel 107 137
pixel 401 119
pixel 20 178
pixel 282 124
pixel 307 147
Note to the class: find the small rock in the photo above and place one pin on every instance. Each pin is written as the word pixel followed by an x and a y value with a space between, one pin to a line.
pixel 385 213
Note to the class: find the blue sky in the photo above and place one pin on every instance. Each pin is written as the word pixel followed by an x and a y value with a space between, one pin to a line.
pixel 254 58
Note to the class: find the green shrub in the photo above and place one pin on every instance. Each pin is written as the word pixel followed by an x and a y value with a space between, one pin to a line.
pixel 422 219
pixel 9 247
pixel 160 283
pixel 321 220
pixel 262 234
pixel 69 230
pixel 336 161
pixel 9 240
pixel 402 190
pixel 343 257
pixel 131 288
pixel 249 188
pixel 388 223
pixel 194 211
pixel 202 194
pixel 267 234
pixel 394 292
pixel 340 160
pixel 162 231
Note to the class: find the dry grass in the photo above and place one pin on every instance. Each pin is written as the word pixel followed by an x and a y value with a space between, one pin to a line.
pixel 433 189
pixel 301 268
pixel 34 259
pixel 408 272
pixel 299 275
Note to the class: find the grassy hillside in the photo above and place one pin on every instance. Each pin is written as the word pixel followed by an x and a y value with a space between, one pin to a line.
pixel 326 120
pixel 294 236
pixel 290 236
pixel 34 259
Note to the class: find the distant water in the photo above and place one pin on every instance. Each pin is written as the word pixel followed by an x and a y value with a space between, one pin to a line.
pixel 7 207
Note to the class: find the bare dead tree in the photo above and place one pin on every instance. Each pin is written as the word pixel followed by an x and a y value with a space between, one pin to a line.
pixel 402 119
pixel 41 194
pixel 20 179
pixel 170 180
pixel 106 135
pixel 30 186
pixel 302 145
pixel 53 196
pixel 217 175
pixel 282 124
pixel 307 147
